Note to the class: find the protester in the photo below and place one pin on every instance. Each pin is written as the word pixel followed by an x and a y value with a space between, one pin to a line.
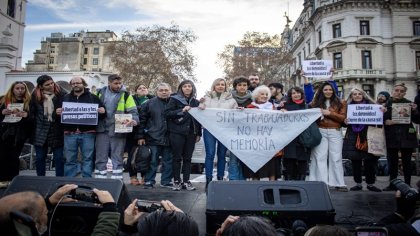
pixel 217 97
pixel 357 156
pixel 14 133
pixel 382 98
pixel 296 156
pixel 254 81
pixel 35 206
pixel 246 226
pixel 171 221
pixel 276 93
pixel 79 136
pixel 142 95
pixel 309 87
pixel 327 230
pixel 153 131
pixel 184 132
pixel 260 97
pixel 243 97
pixel 48 132
pixel 400 137
pixel 326 158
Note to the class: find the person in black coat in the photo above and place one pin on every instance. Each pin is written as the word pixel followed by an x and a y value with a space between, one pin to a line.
pixel 13 132
pixel 359 157
pixel 400 137
pixel 184 132
pixel 296 156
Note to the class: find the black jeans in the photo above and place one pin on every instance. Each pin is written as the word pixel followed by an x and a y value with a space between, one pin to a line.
pixel 295 169
pixel 369 170
pixel 393 163
pixel 182 149
pixel 10 158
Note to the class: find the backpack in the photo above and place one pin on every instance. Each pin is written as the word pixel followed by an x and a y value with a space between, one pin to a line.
pixel 141 157
pixel 310 137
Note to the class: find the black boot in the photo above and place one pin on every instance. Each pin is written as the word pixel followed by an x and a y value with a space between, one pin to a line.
pixel 219 177
pixel 208 180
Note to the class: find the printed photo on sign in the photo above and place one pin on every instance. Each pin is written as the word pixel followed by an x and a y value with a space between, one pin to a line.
pixel 401 113
pixel 79 113
pixel 123 123
pixel 317 68
pixel 15 108
pixel 366 114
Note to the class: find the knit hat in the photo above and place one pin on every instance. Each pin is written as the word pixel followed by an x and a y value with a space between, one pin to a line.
pixel 385 93
pixel 42 79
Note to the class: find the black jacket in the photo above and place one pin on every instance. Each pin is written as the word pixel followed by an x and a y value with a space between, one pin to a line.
pixel 182 122
pixel 20 131
pixel 153 126
pixel 85 97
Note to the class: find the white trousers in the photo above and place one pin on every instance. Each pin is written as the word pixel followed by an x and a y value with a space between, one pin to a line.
pixel 327 160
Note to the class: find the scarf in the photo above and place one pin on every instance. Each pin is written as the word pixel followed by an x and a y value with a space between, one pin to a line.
pixel 48 105
pixel 241 99
pixel 264 106
pixel 298 101
pixel 357 128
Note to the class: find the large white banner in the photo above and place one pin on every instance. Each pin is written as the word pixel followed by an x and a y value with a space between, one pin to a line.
pixel 317 68
pixel 254 135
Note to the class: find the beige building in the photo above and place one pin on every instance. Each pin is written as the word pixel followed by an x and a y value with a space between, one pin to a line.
pixel 373 44
pixel 12 24
pixel 84 51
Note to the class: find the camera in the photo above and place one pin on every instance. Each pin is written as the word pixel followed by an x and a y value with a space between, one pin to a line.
pixel 148 206
pixel 85 194
pixel 407 192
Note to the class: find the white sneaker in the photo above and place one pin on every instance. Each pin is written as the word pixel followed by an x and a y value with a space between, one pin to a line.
pixel 188 186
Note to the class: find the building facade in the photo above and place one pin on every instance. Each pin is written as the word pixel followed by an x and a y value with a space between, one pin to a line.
pixel 12 24
pixel 84 51
pixel 374 44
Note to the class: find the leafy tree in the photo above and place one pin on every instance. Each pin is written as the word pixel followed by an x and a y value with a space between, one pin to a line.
pixel 155 54
pixel 256 53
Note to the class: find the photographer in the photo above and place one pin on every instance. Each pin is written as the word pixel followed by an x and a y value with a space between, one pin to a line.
pixel 167 221
pixel 399 223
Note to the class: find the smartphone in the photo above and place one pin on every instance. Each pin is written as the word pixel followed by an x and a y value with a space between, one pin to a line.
pixel 371 231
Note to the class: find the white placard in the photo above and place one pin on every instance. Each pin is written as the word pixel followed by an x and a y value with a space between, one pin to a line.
pixel 79 113
pixel 317 68
pixel 12 118
pixel 254 135
pixel 123 123
pixel 367 114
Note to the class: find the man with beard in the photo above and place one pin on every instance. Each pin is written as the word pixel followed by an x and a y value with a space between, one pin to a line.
pixel 78 135
pixel 254 82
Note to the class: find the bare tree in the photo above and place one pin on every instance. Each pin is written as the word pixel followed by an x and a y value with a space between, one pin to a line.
pixel 256 53
pixel 155 54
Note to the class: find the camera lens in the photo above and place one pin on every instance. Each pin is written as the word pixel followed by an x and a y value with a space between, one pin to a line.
pixel 405 189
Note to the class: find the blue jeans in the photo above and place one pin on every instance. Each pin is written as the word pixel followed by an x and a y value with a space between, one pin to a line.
pixel 72 142
pixel 165 152
pixel 41 156
pixel 235 168
pixel 210 146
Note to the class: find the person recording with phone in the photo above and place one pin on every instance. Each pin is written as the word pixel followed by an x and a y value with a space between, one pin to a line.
pixel 35 210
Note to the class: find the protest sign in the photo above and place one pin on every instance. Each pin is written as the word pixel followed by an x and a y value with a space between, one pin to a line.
pixel 317 68
pixel 12 118
pixel 79 113
pixel 366 114
pixel 254 135
pixel 123 123
pixel 401 113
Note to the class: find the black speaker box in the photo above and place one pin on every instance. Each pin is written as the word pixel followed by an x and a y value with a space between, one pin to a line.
pixel 281 201
pixel 77 218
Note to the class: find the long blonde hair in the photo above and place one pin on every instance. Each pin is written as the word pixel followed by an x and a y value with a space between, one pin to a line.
pixel 9 97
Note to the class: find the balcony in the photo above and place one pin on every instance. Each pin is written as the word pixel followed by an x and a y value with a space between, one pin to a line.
pixel 359 73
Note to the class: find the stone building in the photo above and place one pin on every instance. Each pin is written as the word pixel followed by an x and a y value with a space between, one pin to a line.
pixel 84 51
pixel 373 44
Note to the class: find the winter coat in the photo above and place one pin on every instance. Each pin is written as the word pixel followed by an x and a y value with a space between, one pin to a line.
pixel 46 132
pixel 85 97
pixel 20 130
pixel 400 135
pixel 153 124
pixel 295 150
pixel 182 122
pixel 349 145
pixel 225 101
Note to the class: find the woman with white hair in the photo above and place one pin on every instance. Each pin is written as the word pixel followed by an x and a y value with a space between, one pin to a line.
pixel 358 154
pixel 218 97
pixel 260 97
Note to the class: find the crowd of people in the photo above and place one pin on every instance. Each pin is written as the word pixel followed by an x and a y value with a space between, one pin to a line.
pixel 163 124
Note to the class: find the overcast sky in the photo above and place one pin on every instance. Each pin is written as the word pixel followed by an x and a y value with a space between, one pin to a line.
pixel 215 22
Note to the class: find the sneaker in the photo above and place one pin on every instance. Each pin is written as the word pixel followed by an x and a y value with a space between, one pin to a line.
pixel 177 186
pixel 341 189
pixel 188 186
pixel 168 185
pixel 356 188
pixel 389 188
pixel 373 188
pixel 147 185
